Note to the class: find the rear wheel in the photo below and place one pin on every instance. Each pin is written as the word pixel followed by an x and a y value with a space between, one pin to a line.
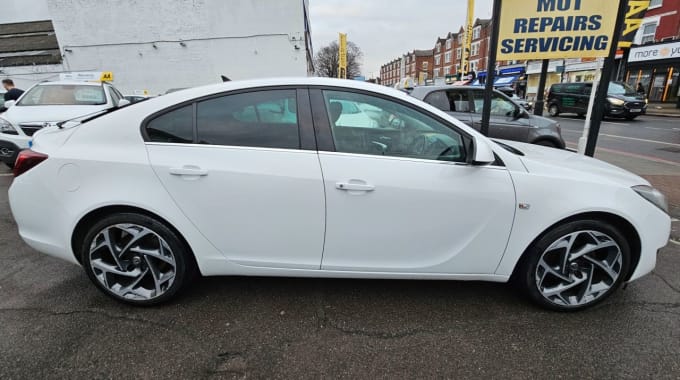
pixel 136 259
pixel 575 266
pixel 553 110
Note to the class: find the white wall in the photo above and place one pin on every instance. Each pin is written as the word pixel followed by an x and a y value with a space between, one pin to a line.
pixel 238 38
pixel 23 10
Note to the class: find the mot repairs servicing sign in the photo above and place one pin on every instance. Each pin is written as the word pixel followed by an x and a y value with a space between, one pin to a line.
pixel 544 29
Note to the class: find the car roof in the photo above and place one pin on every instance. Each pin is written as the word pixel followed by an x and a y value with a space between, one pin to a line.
pixel 421 91
pixel 69 82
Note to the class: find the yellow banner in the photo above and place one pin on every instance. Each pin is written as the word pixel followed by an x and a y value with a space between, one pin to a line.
pixel 467 46
pixel 544 29
pixel 342 58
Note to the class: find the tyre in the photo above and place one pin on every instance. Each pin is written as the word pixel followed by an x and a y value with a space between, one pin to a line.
pixel 553 110
pixel 575 265
pixel 547 143
pixel 631 117
pixel 136 259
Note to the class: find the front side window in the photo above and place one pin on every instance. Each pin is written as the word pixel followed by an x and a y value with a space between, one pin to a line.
pixel 64 95
pixel 266 119
pixel 386 128
pixel 500 106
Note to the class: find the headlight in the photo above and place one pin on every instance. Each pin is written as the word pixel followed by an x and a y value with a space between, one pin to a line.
pixel 6 127
pixel 653 195
pixel 616 102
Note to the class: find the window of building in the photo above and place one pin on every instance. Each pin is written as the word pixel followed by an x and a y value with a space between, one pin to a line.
pixel 447 57
pixel 435 72
pixel 460 38
pixel 448 44
pixel 474 65
pixel 425 65
pixel 439 47
pixel 475 49
pixel 438 60
pixel 265 119
pixel 447 70
pixel 395 130
pixel 655 4
pixel 476 32
pixel 458 51
pixel 648 33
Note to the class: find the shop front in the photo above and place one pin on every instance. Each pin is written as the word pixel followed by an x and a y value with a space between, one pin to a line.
pixel 657 68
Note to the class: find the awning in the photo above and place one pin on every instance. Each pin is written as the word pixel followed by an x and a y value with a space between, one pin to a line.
pixel 512 71
pixel 505 81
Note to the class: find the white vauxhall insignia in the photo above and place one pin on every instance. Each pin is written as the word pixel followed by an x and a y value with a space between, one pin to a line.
pixel 327 178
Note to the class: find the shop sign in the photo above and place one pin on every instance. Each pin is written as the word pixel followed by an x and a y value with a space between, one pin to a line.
pixel 654 52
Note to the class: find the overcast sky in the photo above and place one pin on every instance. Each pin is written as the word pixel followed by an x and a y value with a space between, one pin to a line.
pixel 385 29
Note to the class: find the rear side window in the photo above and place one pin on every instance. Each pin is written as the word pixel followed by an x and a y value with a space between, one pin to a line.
pixel 439 100
pixel 175 126
pixel 573 89
pixel 266 119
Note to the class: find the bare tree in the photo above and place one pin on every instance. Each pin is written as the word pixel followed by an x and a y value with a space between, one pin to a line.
pixel 326 60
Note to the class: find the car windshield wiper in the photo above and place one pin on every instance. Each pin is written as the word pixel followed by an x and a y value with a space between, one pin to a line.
pixel 87 117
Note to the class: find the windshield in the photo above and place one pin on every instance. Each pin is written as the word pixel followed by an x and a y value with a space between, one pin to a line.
pixel 64 94
pixel 616 88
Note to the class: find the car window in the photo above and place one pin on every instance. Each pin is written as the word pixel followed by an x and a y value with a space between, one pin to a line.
pixel 459 100
pixel 265 119
pixel 573 89
pixel 500 106
pixel 616 88
pixel 115 98
pixel 387 128
pixel 439 100
pixel 63 94
pixel 172 127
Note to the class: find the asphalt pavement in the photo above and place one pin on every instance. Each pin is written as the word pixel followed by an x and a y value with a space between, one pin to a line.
pixel 55 324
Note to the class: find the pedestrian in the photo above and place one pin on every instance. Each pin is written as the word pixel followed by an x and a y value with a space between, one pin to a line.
pixel 12 93
pixel 640 89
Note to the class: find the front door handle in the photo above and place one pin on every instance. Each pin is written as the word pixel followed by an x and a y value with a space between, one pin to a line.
pixel 352 186
pixel 189 170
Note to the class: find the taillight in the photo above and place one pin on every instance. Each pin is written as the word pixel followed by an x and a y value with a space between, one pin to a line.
pixel 27 160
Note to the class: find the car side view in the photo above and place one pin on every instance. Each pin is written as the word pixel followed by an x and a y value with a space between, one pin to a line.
pixel 316 177
pixel 622 100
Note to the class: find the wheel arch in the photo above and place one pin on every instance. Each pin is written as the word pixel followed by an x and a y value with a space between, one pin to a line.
pixel 626 228
pixel 88 219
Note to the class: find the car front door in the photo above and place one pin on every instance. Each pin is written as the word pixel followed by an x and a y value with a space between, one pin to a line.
pixel 241 171
pixel 455 102
pixel 401 197
pixel 503 123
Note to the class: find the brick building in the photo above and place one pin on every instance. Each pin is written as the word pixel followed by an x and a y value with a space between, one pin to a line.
pixel 445 57
pixel 390 73
pixel 419 65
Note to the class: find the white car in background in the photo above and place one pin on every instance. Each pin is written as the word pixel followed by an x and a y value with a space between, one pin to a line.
pixel 225 180
pixel 51 102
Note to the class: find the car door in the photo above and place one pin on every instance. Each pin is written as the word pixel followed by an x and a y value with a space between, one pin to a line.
pixel 502 123
pixel 401 198
pixel 455 102
pixel 239 168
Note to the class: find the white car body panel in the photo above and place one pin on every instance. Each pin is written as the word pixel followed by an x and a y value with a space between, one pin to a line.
pixel 106 163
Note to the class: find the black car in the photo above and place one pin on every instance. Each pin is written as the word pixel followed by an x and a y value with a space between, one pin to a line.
pixel 622 100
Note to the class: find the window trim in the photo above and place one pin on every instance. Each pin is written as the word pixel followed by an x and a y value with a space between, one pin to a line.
pixel 303 115
pixel 325 132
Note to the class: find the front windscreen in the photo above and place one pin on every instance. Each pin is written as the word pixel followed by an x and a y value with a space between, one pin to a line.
pixel 64 94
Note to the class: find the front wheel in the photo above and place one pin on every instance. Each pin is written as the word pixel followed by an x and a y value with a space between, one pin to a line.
pixel 631 117
pixel 575 266
pixel 136 259
pixel 553 110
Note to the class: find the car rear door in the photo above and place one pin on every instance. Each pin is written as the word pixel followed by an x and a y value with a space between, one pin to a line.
pixel 455 102
pixel 242 168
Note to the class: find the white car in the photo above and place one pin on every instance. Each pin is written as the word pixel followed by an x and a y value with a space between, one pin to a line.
pixel 51 102
pixel 225 180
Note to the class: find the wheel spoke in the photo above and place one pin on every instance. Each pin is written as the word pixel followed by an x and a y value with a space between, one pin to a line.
pixel 106 268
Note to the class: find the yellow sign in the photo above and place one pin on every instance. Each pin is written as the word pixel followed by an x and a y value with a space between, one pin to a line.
pixel 465 66
pixel 342 57
pixel 107 76
pixel 634 16
pixel 544 29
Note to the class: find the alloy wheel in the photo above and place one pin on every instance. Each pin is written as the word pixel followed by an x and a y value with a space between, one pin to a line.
pixel 579 268
pixel 132 261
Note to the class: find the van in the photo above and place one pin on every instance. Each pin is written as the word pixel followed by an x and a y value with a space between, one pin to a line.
pixel 622 100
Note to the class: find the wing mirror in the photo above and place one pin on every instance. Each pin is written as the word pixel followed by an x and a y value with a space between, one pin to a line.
pixel 483 153
pixel 9 103
pixel 123 102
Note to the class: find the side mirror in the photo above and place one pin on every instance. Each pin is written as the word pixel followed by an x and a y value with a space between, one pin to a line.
pixel 9 103
pixel 123 102
pixel 517 113
pixel 483 152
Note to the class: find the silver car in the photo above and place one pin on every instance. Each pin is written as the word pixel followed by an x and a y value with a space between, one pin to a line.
pixel 509 121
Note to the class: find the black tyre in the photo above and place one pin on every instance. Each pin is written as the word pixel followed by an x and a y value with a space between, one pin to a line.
pixel 136 259
pixel 575 265
pixel 547 143
pixel 631 117
pixel 554 110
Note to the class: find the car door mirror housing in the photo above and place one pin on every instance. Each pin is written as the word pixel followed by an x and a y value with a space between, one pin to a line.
pixel 9 103
pixel 123 102
pixel 483 154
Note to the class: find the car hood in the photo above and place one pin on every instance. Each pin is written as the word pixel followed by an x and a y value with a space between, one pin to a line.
pixel 30 114
pixel 563 163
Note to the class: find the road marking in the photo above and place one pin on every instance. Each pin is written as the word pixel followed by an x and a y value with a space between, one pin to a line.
pixel 6 174
pixel 625 138
pixel 648 158
pixel 675 220
pixel 658 129
pixel 611 122
pixel 674 242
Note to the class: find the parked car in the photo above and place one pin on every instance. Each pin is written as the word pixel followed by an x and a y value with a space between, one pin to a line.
pixel 196 181
pixel 135 98
pixel 510 93
pixel 622 100
pixel 508 120
pixel 51 102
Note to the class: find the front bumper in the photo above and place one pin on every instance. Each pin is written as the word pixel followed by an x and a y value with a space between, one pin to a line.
pixel 9 152
pixel 625 110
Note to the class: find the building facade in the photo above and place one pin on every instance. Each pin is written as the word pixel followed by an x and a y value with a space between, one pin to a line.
pixel 390 73
pixel 419 65
pixel 155 45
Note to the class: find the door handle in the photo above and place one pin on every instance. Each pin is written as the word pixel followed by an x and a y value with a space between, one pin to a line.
pixel 189 171
pixel 350 186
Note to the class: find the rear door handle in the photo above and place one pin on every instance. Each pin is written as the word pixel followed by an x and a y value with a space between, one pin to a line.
pixel 188 171
pixel 350 186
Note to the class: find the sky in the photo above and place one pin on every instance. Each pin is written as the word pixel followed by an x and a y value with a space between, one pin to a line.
pixel 385 29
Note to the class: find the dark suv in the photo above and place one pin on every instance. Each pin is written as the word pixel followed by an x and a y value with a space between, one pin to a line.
pixel 509 120
pixel 622 100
